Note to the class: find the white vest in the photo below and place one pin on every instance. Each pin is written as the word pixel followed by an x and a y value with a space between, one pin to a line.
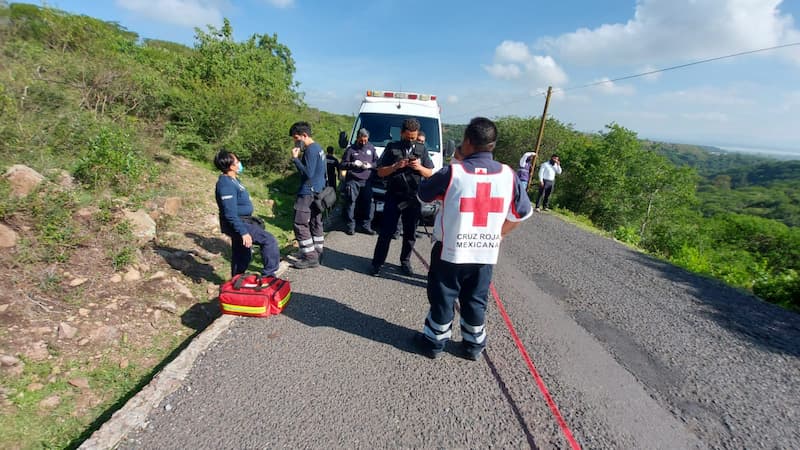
pixel 474 208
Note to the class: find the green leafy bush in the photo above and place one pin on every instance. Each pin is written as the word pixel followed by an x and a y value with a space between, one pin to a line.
pixel 628 234
pixel 112 160
pixel 782 288
pixel 56 232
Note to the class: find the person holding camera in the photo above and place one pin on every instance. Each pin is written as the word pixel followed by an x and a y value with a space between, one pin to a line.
pixel 403 163
pixel 359 161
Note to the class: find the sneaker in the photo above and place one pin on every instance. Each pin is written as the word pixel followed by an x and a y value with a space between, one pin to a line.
pixel 305 264
pixel 375 271
pixel 423 347
pixel 294 256
pixel 395 236
pixel 350 232
pixel 546 208
pixel 537 209
pixel 406 268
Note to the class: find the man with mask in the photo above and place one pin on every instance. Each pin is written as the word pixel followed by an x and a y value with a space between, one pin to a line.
pixel 237 221
pixel 403 163
pixel 359 162
pixel 308 219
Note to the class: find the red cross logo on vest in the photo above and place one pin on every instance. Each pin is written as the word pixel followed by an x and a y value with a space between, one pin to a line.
pixel 481 205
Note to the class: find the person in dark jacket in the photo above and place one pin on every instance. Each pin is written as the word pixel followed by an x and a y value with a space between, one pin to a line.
pixel 333 167
pixel 237 221
pixel 359 161
pixel 403 163
pixel 308 219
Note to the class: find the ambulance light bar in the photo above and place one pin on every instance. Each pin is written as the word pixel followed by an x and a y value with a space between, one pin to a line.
pixel 405 95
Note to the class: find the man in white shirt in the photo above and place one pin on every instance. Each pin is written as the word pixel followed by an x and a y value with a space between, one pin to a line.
pixel 547 179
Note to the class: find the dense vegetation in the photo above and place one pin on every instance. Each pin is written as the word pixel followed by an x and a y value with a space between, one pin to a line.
pixel 733 217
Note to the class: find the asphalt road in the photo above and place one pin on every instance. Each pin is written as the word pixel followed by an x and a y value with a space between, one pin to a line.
pixel 634 352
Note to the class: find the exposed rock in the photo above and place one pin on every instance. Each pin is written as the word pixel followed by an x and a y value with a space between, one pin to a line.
pixel 156 315
pixel 83 342
pixel 154 214
pixel 86 212
pixel 123 364
pixel 23 180
pixel 83 312
pixel 8 360
pixel 167 305
pixel 104 333
pixel 212 290
pixel 33 387
pixel 15 371
pixel 132 275
pixel 42 330
pixel 8 237
pixel 77 282
pixel 62 178
pixel 50 402
pixel 4 308
pixel 172 205
pixel 116 278
pixel 160 275
pixel 66 331
pixel 37 351
pixel 79 382
pixel 142 225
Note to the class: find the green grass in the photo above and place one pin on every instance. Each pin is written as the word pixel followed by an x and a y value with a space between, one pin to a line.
pixel 31 427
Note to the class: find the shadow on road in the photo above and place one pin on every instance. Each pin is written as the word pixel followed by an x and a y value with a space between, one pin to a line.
pixel 766 325
pixel 344 261
pixel 317 311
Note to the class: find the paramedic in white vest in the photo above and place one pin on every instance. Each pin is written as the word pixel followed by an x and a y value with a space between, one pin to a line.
pixel 482 201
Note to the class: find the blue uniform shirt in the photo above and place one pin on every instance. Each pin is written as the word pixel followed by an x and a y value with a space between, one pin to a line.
pixel 233 201
pixel 312 170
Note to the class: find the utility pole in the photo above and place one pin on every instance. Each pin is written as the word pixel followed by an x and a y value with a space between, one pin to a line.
pixel 539 136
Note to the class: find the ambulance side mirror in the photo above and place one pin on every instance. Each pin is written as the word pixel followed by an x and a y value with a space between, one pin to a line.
pixel 342 139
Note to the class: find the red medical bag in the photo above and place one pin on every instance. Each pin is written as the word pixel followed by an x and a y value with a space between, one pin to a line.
pixel 254 295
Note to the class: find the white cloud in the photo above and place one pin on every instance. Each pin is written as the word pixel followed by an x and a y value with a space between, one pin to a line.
pixel 281 3
pixel 712 116
pixel 452 99
pixel 708 96
pixel 607 86
pixel 186 13
pixel 514 61
pixel 677 30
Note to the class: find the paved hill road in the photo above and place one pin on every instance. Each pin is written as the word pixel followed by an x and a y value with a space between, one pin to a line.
pixel 635 353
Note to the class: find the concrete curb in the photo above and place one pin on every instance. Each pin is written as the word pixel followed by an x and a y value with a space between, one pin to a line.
pixel 134 414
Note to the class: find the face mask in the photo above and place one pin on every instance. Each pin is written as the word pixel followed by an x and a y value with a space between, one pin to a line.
pixel 240 167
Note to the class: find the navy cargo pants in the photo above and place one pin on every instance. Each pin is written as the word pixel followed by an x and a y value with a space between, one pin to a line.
pixel 469 283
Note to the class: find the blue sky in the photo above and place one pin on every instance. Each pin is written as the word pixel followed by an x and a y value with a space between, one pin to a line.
pixel 496 58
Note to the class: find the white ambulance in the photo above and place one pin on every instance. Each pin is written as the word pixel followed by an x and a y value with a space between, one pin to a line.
pixel 382 113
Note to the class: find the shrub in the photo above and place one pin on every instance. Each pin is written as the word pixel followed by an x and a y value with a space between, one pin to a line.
pixel 782 288
pixel 112 160
pixel 56 232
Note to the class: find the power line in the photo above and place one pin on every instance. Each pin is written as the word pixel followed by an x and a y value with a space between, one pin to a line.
pixel 651 72
pixel 680 66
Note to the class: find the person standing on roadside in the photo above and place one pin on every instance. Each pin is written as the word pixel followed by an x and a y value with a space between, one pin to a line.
pixel 403 163
pixel 524 171
pixel 359 161
pixel 236 219
pixel 547 180
pixel 308 219
pixel 482 201
pixel 333 167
